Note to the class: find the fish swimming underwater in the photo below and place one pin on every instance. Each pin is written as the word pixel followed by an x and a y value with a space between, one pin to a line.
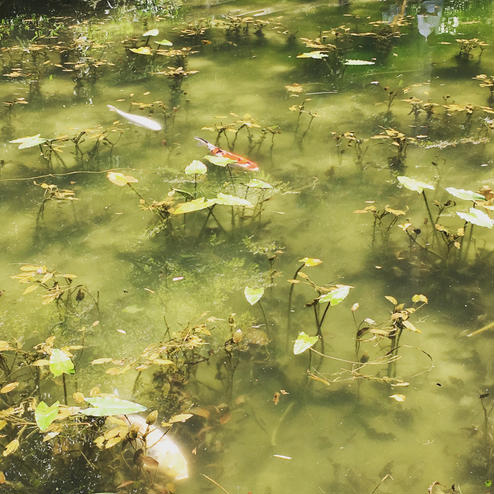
pixel 162 448
pixel 138 120
pixel 239 161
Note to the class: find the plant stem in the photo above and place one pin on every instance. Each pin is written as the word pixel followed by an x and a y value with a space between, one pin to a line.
pixel 433 225
pixel 64 389
pixel 290 295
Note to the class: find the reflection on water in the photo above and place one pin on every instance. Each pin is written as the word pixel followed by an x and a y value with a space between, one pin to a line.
pixel 182 279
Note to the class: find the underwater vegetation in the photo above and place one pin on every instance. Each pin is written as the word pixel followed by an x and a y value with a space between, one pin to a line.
pixel 246 248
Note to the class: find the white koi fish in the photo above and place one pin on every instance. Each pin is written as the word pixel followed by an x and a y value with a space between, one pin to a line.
pixel 145 122
pixel 162 448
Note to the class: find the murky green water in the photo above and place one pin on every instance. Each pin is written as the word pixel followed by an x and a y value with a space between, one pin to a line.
pixel 336 427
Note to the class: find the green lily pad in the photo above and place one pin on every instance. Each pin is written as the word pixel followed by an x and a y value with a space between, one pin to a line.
pixel 164 42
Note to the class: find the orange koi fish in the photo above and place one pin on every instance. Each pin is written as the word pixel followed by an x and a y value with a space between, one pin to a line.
pixel 239 161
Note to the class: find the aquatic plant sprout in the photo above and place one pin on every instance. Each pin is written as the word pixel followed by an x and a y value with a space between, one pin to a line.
pixel 60 363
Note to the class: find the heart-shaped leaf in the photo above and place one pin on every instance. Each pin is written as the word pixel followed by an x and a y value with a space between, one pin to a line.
pixel 414 185
pixel 151 32
pixel 29 142
pixel 477 217
pixel 45 415
pixel 194 205
pixel 336 296
pixel 120 179
pixel 310 261
pixel 253 295
pixel 60 363
pixel 228 200
pixel 196 168
pixel 303 343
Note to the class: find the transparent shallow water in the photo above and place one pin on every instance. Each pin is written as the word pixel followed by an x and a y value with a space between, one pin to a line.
pixel 336 431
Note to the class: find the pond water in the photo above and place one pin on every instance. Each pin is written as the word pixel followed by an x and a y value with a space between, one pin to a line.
pixel 336 104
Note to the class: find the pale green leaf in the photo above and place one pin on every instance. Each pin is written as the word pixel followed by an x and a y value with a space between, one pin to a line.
pixel 255 183
pixel 29 142
pixel 335 296
pixel 219 160
pixel 303 343
pixel 228 200
pixel 310 261
pixel 477 217
pixel 151 32
pixel 359 62
pixel 103 406
pixel 253 295
pixel 60 363
pixel 143 50
pixel 120 179
pixel 164 42
pixel 414 185
pixel 196 168
pixel 318 55
pixel 467 195
pixel 45 415
pixel 194 205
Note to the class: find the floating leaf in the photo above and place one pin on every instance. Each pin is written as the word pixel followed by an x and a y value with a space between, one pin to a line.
pixel 420 298
pixel 181 417
pixel 228 200
pixel 29 142
pixel 359 62
pixel 317 55
pixel 219 160
pixel 335 296
pixel 102 360
pixel 391 299
pixel 467 195
pixel 151 32
pixel 143 50
pixel 414 185
pixel 303 343
pixel 310 261
pixel 109 405
pixel 477 217
pixel 164 42
pixel 255 183
pixel 9 387
pixel 253 295
pixel 196 168
pixel 194 205
pixel 60 363
pixel 120 179
pixel 45 415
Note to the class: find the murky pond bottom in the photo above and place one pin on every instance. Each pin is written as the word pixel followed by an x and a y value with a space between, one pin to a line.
pixel 306 301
